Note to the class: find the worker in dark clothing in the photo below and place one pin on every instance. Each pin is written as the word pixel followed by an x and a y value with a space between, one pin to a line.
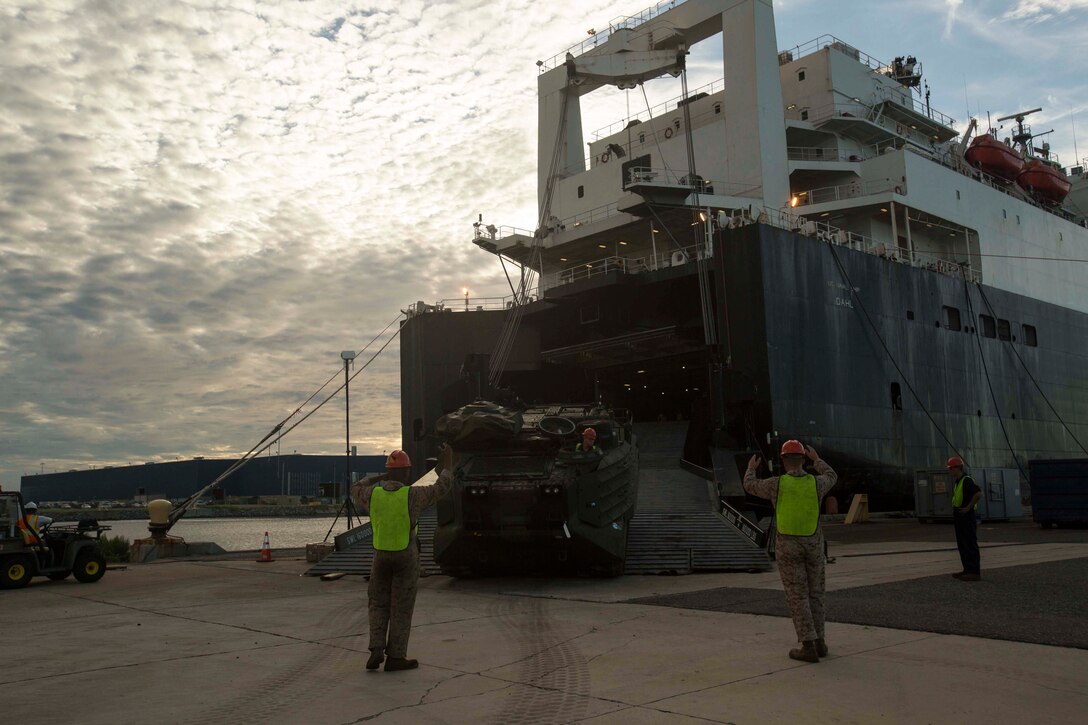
pixel 394 506
pixel 799 545
pixel 965 496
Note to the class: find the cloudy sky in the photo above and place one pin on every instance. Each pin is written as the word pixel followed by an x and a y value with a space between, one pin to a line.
pixel 203 201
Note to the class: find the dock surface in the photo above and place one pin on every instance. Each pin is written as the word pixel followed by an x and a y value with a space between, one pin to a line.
pixel 236 641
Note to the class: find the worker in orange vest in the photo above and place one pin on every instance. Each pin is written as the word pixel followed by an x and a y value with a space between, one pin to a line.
pixel 31 525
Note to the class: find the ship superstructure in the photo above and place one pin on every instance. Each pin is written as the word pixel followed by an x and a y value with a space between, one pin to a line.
pixel 804 247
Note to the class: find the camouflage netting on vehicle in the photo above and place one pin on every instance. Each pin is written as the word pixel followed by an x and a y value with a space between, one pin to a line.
pixel 479 424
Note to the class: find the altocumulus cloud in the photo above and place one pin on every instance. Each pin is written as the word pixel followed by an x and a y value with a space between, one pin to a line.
pixel 204 202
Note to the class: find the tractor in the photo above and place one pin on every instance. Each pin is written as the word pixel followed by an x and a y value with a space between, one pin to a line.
pixel 58 551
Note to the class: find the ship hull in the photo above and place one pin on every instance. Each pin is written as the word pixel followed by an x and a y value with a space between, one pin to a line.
pixel 852 353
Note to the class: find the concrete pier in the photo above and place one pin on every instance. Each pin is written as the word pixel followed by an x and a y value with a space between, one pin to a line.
pixel 235 641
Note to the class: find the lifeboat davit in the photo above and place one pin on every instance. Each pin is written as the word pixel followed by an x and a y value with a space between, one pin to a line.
pixel 1044 181
pixel 995 158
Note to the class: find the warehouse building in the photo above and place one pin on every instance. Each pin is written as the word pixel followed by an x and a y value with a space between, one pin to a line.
pixel 288 475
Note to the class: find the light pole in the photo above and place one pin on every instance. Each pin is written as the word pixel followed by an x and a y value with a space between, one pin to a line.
pixel 465 290
pixel 348 356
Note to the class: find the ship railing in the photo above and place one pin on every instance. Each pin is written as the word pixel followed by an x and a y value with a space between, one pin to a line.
pixel 587 270
pixel 821 153
pixel 948 160
pixel 491 232
pixel 589 216
pixel 597 37
pixel 851 109
pixel 839 109
pixel 656 111
pixel 853 190
pixel 824 41
pixel 909 101
pixel 463 304
pixel 624 265
pixel 934 261
pixel 682 178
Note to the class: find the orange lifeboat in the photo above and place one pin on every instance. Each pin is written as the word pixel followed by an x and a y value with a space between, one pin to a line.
pixel 1044 181
pixel 995 158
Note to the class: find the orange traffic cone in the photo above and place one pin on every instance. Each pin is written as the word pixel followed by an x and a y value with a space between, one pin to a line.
pixel 266 550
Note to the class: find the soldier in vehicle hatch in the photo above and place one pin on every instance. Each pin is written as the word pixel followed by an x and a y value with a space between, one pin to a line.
pixel 589 442
pixel 799 546
pixel 394 506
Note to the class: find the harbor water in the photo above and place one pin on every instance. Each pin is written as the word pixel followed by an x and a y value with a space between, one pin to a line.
pixel 240 534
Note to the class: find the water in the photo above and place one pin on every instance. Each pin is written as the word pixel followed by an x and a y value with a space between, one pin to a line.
pixel 240 534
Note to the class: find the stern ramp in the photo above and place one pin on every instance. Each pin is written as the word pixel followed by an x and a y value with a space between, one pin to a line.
pixel 677 528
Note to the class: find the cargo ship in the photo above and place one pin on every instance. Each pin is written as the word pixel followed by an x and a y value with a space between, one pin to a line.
pixel 804 248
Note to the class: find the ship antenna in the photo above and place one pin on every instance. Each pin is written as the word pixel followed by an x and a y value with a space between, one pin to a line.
pixel 1073 123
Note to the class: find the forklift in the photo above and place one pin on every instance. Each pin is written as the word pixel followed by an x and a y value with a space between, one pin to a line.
pixel 56 552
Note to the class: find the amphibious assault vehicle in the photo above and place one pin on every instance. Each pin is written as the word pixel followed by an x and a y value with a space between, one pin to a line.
pixel 527 499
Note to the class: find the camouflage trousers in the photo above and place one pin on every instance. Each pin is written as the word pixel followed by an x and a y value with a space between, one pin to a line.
pixel 801 566
pixel 394 577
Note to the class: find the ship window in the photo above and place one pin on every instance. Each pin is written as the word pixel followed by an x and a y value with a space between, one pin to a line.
pixel 897 397
pixel 590 314
pixel 910 314
pixel 717 108
pixel 581 191
pixel 951 318
pixel 1004 332
pixel 1004 214
pixel 804 114
pixel 989 329
pixel 676 122
pixel 1029 336
pixel 642 138
pixel 800 75
pixel 1017 218
pixel 957 193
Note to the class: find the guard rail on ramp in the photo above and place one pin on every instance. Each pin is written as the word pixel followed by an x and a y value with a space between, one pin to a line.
pixel 355 551
pixel 677 529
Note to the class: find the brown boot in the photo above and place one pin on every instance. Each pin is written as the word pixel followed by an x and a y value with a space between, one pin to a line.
pixel 821 647
pixel 806 652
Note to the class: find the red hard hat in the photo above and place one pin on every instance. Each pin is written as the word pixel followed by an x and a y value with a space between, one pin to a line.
pixel 589 433
pixel 954 462
pixel 792 448
pixel 398 459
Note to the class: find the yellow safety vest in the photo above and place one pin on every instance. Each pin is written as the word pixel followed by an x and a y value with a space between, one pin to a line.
pixel 29 526
pixel 390 519
pixel 957 492
pixel 798 507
